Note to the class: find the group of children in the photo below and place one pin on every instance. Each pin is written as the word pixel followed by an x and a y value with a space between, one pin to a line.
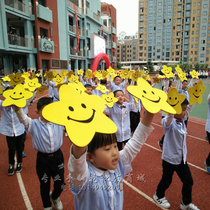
pixel 97 170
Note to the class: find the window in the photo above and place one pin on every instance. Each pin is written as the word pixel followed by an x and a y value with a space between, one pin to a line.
pixel 141 16
pixel 179 13
pixel 196 46
pixel 178 27
pixel 197 25
pixel 179 6
pixel 193 18
pixel 196 52
pixel 141 23
pixel 42 2
pixel 141 10
pixel 196 39
pixel 195 59
pixel 203 34
pixel 142 3
pixel 205 6
pixel 199 4
pixel 204 20
pixel 204 13
pixel 202 55
pixel 160 4
pixel 198 11
pixel 160 11
pixel 178 20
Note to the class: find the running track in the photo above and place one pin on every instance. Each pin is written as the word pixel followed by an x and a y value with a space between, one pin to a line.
pixel 21 191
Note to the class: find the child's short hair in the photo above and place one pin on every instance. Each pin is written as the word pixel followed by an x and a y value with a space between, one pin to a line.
pixel 43 102
pixel 117 77
pixel 184 81
pixel 185 102
pixel 117 91
pixel 170 83
pixel 88 85
pixel 101 140
pixel 103 82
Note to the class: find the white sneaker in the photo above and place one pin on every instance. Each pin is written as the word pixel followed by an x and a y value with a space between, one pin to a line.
pixel 48 208
pixel 57 203
pixel 162 202
pixel 188 207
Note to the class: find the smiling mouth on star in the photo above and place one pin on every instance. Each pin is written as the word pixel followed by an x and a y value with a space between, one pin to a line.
pixel 196 96
pixel 174 104
pixel 16 98
pixel 30 85
pixel 108 101
pixel 155 101
pixel 16 81
pixel 84 121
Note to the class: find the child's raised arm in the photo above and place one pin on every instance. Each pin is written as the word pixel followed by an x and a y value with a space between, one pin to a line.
pixel 78 151
pixel 147 119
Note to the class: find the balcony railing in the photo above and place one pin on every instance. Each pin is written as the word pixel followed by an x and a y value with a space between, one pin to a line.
pixel 72 50
pixel 108 43
pixel 16 5
pixel 95 16
pixel 81 31
pixel 31 10
pixel 106 28
pixel 17 40
pixel 72 28
pixel 71 4
pixel 80 53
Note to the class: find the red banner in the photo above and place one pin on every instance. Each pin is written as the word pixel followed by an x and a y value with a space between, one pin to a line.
pixel 75 10
pixel 102 30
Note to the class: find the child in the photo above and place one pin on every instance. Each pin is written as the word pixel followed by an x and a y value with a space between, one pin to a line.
pixel 117 84
pixel 47 139
pixel 120 115
pixel 207 162
pixel 174 159
pixel 98 92
pixel 89 89
pixel 97 183
pixel 13 130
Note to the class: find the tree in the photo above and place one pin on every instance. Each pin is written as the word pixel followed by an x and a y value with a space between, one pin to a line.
pixel 119 65
pixel 150 66
pixel 197 66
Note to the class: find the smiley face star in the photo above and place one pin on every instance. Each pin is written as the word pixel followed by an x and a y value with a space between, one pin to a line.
pixel 78 87
pixel 17 96
pixel 135 75
pixel 178 69
pixel 167 71
pixel 109 99
pixel 49 75
pixel 58 79
pixel 152 99
pixel 125 74
pixel 110 70
pixel 194 74
pixel 74 79
pixel 102 88
pixel 89 74
pixel 15 79
pixel 175 99
pixel 196 93
pixel 156 80
pixel 32 84
pixel 182 76
pixel 80 72
pixel 81 114
pixel 41 90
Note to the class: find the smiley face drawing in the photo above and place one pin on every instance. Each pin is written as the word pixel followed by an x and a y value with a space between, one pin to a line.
pixel 167 71
pixel 80 72
pixel 196 93
pixel 89 74
pixel 156 80
pixel 135 75
pixel 81 114
pixel 194 74
pixel 102 88
pixel 109 99
pixel 175 99
pixel 152 99
pixel 41 90
pixel 178 69
pixel 78 87
pixel 16 96
pixel 49 75
pixel 74 79
pixel 110 70
pixel 15 79
pixel 182 76
pixel 125 74
pixel 58 79
pixel 32 84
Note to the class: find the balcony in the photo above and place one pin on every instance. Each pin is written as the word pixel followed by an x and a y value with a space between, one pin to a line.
pixel 46 45
pixel 113 30
pixel 113 59
pixel 72 28
pixel 95 16
pixel 80 53
pixel 106 28
pixel 16 5
pixel 44 13
pixel 72 50
pixel 108 44
pixel 71 5
pixel 114 45
pixel 81 32
pixel 87 32
pixel 17 40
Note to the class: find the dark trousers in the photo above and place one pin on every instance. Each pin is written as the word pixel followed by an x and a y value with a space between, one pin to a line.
pixel 208 158
pixel 120 144
pixel 184 174
pixel 47 166
pixel 24 139
pixel 15 143
pixel 134 120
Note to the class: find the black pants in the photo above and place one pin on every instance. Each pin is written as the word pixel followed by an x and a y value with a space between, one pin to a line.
pixel 208 158
pixel 15 143
pixel 134 120
pixel 47 166
pixel 24 139
pixel 120 144
pixel 184 174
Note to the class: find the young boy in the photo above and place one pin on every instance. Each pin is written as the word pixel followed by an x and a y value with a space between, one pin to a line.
pixel 47 139
pixel 174 159
pixel 89 89
pixel 117 84
pixel 120 115
pixel 97 182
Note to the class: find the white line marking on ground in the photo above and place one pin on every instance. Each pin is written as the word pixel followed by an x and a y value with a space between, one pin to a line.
pixel 23 190
pixel 141 193
pixel 187 134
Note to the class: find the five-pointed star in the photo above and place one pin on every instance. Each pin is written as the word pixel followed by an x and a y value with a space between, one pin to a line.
pixel 15 79
pixel 196 93
pixel 109 99
pixel 134 76
pixel 178 69
pixel 58 79
pixel 102 88
pixel 182 76
pixel 81 114
pixel 16 96
pixel 194 74
pixel 49 75
pixel 89 74
pixel 78 87
pixel 156 80
pixel 32 84
pixel 80 72
pixel 152 99
pixel 167 71
pixel 41 90
pixel 74 79
pixel 125 74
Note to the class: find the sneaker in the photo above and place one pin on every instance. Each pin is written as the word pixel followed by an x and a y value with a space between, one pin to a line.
pixel 206 137
pixel 188 207
pixel 162 202
pixel 11 170
pixel 23 154
pixel 18 168
pixel 57 203
pixel 207 167
pixel 48 208
pixel 160 145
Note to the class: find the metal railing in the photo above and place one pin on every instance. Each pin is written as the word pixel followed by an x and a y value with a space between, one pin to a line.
pixel 16 5
pixel 31 10
pixel 71 4
pixel 81 31
pixel 72 51
pixel 80 53
pixel 72 28
pixel 107 28
pixel 17 40
pixel 95 16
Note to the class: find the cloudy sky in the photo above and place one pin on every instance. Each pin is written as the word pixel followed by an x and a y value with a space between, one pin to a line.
pixel 127 15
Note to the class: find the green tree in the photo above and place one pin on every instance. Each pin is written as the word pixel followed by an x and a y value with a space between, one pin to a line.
pixel 197 66
pixel 150 66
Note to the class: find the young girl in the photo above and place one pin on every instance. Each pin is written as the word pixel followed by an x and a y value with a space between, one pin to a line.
pixel 97 182
pixel 120 115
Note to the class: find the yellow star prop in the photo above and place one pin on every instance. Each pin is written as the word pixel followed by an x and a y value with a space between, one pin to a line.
pixel 15 79
pixel 41 90
pixel 135 76
pixel 105 74
pixel 6 79
pixel 102 88
pixel 167 71
pixel 32 84
pixel 178 69
pixel 109 99
pixel 64 73
pixel 58 79
pixel 25 75
pixel 80 72
pixel 49 75
pixel 110 70
pixel 16 96
pixel 74 79
pixel 156 80
pixel 89 74
pixel 125 74
pixel 196 93
pixel 152 99
pixel 81 114
pixel 78 87
pixel 194 74
pixel 182 76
